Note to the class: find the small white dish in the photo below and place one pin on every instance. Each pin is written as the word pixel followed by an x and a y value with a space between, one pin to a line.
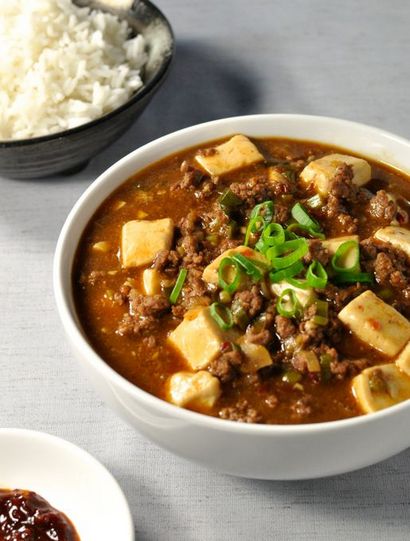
pixel 70 479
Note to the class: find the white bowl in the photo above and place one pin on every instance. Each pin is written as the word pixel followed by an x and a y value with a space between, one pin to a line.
pixel 258 451
pixel 70 479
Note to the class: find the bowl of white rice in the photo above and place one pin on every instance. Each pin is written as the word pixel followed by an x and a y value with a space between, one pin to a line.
pixel 75 75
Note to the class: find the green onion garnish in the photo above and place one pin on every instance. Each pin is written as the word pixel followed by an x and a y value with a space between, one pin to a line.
pixel 249 266
pixel 287 304
pixel 272 235
pixel 301 284
pixel 239 314
pixel 229 275
pixel 222 315
pixel 353 278
pixel 176 290
pixel 312 232
pixel 325 361
pixel 316 276
pixel 286 254
pixel 229 201
pixel 261 216
pixel 348 249
pixel 289 272
pixel 300 214
pixel 322 313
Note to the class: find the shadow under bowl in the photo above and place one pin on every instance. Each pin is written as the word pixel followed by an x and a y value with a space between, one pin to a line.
pixel 69 151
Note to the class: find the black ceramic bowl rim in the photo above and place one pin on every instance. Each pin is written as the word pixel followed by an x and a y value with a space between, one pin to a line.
pixel 146 88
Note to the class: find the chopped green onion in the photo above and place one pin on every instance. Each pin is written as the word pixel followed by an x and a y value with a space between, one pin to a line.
pixel 316 276
pixel 225 297
pixel 314 202
pixel 325 361
pixel 291 376
pixel 287 304
pixel 226 281
pixel 272 235
pixel 300 214
pixel 286 254
pixel 176 291
pixel 348 249
pixel 322 313
pixel 239 314
pixel 301 284
pixel 353 278
pixel 229 201
pixel 261 216
pixel 289 272
pixel 250 267
pixel 222 315
pixel 312 232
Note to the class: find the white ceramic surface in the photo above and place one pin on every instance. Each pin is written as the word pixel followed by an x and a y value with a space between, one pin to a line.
pixel 70 479
pixel 258 451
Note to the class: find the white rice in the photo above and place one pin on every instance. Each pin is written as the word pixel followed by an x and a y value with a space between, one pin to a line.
pixel 62 66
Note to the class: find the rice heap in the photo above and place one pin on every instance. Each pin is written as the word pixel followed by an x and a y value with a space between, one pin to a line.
pixel 62 66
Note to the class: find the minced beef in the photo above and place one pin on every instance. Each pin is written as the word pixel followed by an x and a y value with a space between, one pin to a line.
pixel 167 261
pixel 251 300
pixel 303 406
pixel 317 252
pixel 241 412
pixel 389 272
pixel 282 213
pixel 253 191
pixel 191 177
pixel 226 365
pixel 284 327
pixel 144 312
pixel 341 186
pixel 382 207
pixel 348 368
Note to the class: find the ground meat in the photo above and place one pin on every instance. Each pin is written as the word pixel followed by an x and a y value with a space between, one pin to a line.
pixel 272 401
pixel 262 337
pixel 303 406
pixel 226 365
pixel 310 332
pixel 339 297
pixel 282 213
pixel 255 190
pixel 317 252
pixel 349 225
pixel 382 207
pixel 341 186
pixel 284 327
pixel 348 368
pixel 167 261
pixel 144 311
pixel 92 278
pixel 386 272
pixel 251 300
pixel 241 412
pixel 191 177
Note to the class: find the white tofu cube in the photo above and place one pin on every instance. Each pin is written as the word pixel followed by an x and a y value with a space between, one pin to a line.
pixel 379 387
pixel 141 240
pixel 403 360
pixel 210 274
pixel 199 338
pixel 151 280
pixel 398 237
pixel 376 323
pixel 236 153
pixel 256 356
pixel 305 296
pixel 200 390
pixel 320 172
pixel 333 244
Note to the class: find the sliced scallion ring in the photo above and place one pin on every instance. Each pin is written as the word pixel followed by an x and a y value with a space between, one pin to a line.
pixel 316 276
pixel 353 278
pixel 261 216
pixel 284 255
pixel 310 230
pixel 225 282
pixel 229 201
pixel 176 290
pixel 322 313
pixel 272 235
pixel 222 315
pixel 301 215
pixel 249 266
pixel 287 304
pixel 349 249
pixel 285 274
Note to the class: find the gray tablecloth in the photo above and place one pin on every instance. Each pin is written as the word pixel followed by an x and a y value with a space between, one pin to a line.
pixel 348 59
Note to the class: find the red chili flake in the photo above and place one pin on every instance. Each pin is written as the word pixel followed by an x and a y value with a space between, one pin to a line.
pixel 225 347
pixel 376 325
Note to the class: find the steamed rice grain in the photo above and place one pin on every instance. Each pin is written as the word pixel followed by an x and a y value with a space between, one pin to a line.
pixel 62 66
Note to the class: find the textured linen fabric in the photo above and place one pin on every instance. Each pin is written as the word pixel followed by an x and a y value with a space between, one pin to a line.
pixel 346 59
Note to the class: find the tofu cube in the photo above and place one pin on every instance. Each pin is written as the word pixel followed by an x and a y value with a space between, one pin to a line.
pixel 305 296
pixel 256 356
pixel 236 153
pixel 210 274
pixel 403 360
pixel 151 280
pixel 200 390
pixel 199 338
pixel 376 323
pixel 398 237
pixel 320 172
pixel 380 387
pixel 333 244
pixel 141 240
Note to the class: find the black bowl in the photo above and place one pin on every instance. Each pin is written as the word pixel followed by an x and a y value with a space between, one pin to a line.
pixel 70 150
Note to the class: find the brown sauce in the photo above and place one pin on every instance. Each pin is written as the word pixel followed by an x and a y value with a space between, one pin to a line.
pixel 149 194
pixel 26 516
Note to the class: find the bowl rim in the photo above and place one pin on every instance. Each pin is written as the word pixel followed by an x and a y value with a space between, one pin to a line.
pixel 81 455
pixel 77 336
pixel 141 93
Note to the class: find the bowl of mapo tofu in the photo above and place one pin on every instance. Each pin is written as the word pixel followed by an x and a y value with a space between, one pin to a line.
pixel 239 291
